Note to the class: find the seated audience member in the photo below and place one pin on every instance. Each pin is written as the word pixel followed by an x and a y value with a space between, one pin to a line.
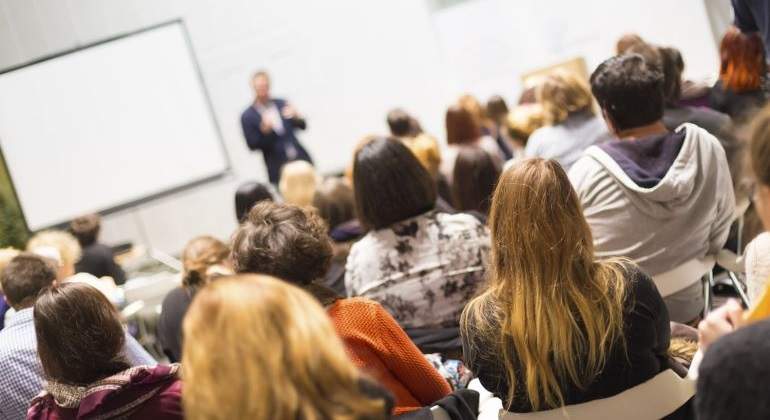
pixel 248 194
pixel 422 265
pixel 497 112
pixel 659 197
pixel 738 92
pixel 522 121
pixel 291 243
pixel 262 349
pixel 570 123
pixel 627 41
pixel 6 255
pixel 463 130
pixel 96 259
pixel 334 202
pixel 23 280
pixel 298 183
pixel 674 115
pixel 402 125
pixel 605 329
pixel 475 177
pixel 87 376
pixel 203 258
pixel 64 249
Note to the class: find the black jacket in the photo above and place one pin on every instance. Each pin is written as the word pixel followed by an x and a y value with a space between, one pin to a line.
pixel 273 146
pixel 98 260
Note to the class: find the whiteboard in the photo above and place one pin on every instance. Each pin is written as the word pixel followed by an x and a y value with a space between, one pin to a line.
pixel 108 125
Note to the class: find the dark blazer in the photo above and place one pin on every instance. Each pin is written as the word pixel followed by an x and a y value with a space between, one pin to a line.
pixel 273 146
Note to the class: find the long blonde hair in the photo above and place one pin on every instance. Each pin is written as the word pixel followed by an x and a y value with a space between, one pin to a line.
pixel 563 93
pixel 549 305
pixel 259 348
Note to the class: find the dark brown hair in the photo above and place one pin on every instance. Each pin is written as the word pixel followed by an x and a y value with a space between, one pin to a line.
pixel 248 194
pixel 79 336
pixel 461 126
pixel 475 176
pixel 399 122
pixel 283 241
pixel 390 184
pixel 672 66
pixel 86 229
pixel 25 276
pixel 497 109
pixel 334 201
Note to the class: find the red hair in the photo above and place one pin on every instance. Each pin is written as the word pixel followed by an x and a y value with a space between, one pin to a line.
pixel 743 60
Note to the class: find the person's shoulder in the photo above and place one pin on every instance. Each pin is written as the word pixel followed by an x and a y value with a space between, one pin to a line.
pixel 249 113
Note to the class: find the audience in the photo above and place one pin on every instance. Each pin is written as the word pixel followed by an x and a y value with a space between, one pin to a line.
pixel 659 197
pixel 22 375
pixel 462 129
pixel 570 123
pixel 96 259
pixel 556 326
pixel 248 194
pixel 335 204
pixel 277 357
pixel 203 259
pixel 291 243
pixel 6 255
pixel 522 121
pixel 298 183
pixel 420 264
pixel 475 176
pixel 87 374
pixel 739 90
pixel 497 112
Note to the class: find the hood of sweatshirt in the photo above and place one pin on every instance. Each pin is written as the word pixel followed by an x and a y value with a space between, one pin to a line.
pixel 661 175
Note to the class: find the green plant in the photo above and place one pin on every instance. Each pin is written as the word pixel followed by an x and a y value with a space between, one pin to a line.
pixel 13 232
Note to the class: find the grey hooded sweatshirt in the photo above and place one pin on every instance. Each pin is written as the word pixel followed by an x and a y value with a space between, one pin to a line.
pixel 661 200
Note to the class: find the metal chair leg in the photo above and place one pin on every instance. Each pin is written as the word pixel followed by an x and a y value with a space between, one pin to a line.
pixel 708 280
pixel 738 286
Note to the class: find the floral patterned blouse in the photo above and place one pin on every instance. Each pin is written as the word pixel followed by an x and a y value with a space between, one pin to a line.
pixel 423 270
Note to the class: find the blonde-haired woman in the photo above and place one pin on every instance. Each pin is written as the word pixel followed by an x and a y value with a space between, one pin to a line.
pixel 298 183
pixel 260 348
pixel 570 123
pixel 203 259
pixel 59 246
pixel 556 327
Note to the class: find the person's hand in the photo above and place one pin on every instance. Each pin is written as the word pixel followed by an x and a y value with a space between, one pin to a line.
pixel 265 126
pixel 289 112
pixel 719 323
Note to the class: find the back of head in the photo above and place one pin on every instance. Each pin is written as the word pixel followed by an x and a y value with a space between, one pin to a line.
pixel 6 255
pixel 399 122
pixel 65 245
pixel 247 195
pixel 475 176
pixel 390 184
pixel 461 126
pixel 627 41
pixel 743 63
pixel 497 109
pixel 523 120
pixel 86 229
pixel 562 94
pixel 542 257
pixel 79 336
pixel 334 202
pixel 672 66
pixel 298 183
pixel 649 52
pixel 259 348
pixel 629 91
pixel 472 105
pixel 24 277
pixel 425 148
pixel 284 241
pixel 198 256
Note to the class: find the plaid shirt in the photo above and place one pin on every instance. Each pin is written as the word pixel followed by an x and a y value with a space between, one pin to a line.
pixel 21 375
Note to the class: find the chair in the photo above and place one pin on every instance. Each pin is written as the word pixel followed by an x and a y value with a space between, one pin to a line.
pixel 686 275
pixel 658 397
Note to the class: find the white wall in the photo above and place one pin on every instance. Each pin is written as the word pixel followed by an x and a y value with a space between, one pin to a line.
pixel 343 63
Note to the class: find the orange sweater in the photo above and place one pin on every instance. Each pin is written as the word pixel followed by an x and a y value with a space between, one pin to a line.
pixel 378 346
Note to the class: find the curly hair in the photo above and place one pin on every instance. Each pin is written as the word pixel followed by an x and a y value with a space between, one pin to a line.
pixel 284 241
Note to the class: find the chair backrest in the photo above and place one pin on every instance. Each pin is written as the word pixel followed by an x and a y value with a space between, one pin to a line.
pixel 683 276
pixel 654 399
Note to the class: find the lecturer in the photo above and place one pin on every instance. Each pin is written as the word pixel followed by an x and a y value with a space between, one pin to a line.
pixel 268 125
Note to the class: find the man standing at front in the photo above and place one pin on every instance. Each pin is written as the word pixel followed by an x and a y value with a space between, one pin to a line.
pixel 268 125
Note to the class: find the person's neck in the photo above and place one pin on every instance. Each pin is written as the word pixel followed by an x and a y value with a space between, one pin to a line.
pixel 643 131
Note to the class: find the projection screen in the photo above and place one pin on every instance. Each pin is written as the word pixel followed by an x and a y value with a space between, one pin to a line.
pixel 108 126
